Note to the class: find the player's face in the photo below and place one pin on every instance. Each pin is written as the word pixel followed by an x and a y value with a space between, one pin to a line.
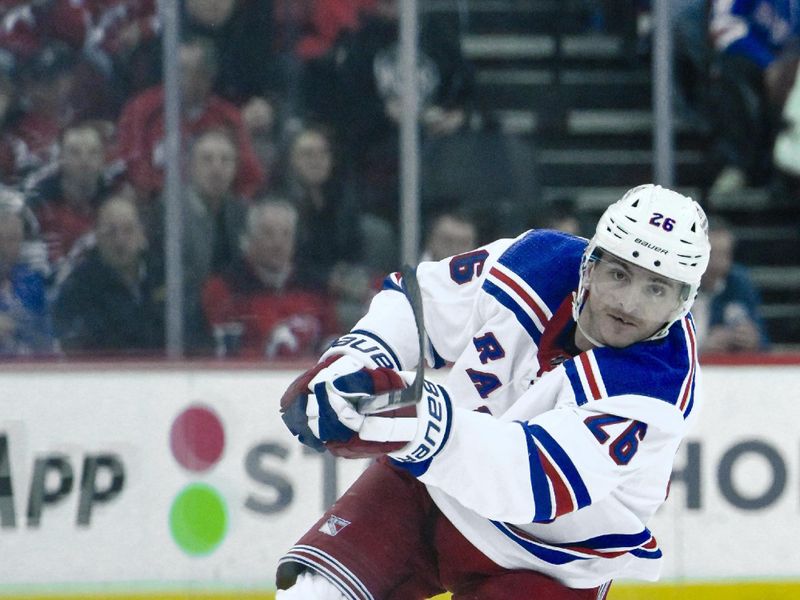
pixel 626 303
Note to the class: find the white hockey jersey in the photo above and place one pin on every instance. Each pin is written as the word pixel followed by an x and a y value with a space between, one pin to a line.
pixel 568 454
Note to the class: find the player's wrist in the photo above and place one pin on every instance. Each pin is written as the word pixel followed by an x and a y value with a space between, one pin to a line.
pixel 434 419
pixel 366 347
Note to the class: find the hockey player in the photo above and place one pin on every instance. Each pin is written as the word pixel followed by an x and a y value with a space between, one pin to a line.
pixel 532 473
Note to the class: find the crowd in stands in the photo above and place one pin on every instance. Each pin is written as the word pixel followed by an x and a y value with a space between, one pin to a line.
pixel 737 63
pixel 289 125
pixel 289 183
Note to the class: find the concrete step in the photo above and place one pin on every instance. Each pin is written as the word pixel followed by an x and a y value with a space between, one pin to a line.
pixel 604 125
pixel 486 16
pixel 593 200
pixel 773 245
pixel 609 167
pixel 781 311
pixel 756 200
pixel 782 278
pixel 782 321
pixel 572 49
pixel 575 88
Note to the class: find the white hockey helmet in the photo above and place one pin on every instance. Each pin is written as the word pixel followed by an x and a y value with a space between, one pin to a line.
pixel 659 230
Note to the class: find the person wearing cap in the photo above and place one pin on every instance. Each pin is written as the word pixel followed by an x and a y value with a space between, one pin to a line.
pixel 45 88
pixel 534 469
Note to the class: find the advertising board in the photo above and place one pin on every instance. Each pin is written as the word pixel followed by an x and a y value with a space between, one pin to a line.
pixel 144 480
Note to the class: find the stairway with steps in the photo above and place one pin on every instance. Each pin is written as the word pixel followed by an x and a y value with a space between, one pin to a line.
pixel 583 99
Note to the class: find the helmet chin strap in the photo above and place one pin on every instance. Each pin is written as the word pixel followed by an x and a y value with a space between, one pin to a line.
pixel 577 309
pixel 592 341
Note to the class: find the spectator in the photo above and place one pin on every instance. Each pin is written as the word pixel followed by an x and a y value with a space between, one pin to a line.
pixel 31 138
pixel 24 314
pixel 756 43
pixel 105 33
pixel 561 216
pixel 318 24
pixel 264 118
pixel 256 306
pixel 786 151
pixel 359 87
pixel 112 303
pixel 120 40
pixel 727 308
pixel 243 33
pixel 329 231
pixel 141 125
pixel 8 108
pixel 65 195
pixel 252 72
pixel 451 233
pixel 8 87
pixel 25 26
pixel 213 221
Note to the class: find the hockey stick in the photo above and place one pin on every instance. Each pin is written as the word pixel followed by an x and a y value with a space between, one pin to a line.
pixel 412 394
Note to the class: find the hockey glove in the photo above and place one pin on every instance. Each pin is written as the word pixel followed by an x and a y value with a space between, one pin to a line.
pixel 360 349
pixel 409 434
pixel 295 398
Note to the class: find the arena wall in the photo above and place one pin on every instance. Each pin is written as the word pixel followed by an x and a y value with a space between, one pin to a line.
pixel 179 480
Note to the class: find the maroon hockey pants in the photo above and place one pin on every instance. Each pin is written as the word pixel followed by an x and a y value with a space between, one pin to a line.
pixel 385 539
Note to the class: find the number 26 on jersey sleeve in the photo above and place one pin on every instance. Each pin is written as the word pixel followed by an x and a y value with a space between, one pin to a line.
pixel 625 445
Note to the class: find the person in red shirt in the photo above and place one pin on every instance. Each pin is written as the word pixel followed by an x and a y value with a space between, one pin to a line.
pixel 25 26
pixel 319 23
pixel 65 195
pixel 141 125
pixel 255 307
pixel 30 140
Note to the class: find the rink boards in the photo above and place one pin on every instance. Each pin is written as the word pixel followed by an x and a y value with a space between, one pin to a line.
pixel 179 481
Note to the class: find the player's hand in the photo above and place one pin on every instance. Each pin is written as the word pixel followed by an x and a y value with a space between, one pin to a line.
pixel 295 398
pixel 333 418
pixel 411 434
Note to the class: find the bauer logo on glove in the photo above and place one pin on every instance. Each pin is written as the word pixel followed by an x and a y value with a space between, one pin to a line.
pixel 433 427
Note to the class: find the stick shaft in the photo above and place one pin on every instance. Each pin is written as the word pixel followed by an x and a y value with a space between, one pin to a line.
pixel 413 393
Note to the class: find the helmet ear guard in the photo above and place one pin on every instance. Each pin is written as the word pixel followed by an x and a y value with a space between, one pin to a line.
pixel 656 229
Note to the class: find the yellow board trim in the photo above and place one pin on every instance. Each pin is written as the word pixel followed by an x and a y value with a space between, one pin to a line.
pixel 198 595
pixel 707 591
pixel 700 591
pixel 621 591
